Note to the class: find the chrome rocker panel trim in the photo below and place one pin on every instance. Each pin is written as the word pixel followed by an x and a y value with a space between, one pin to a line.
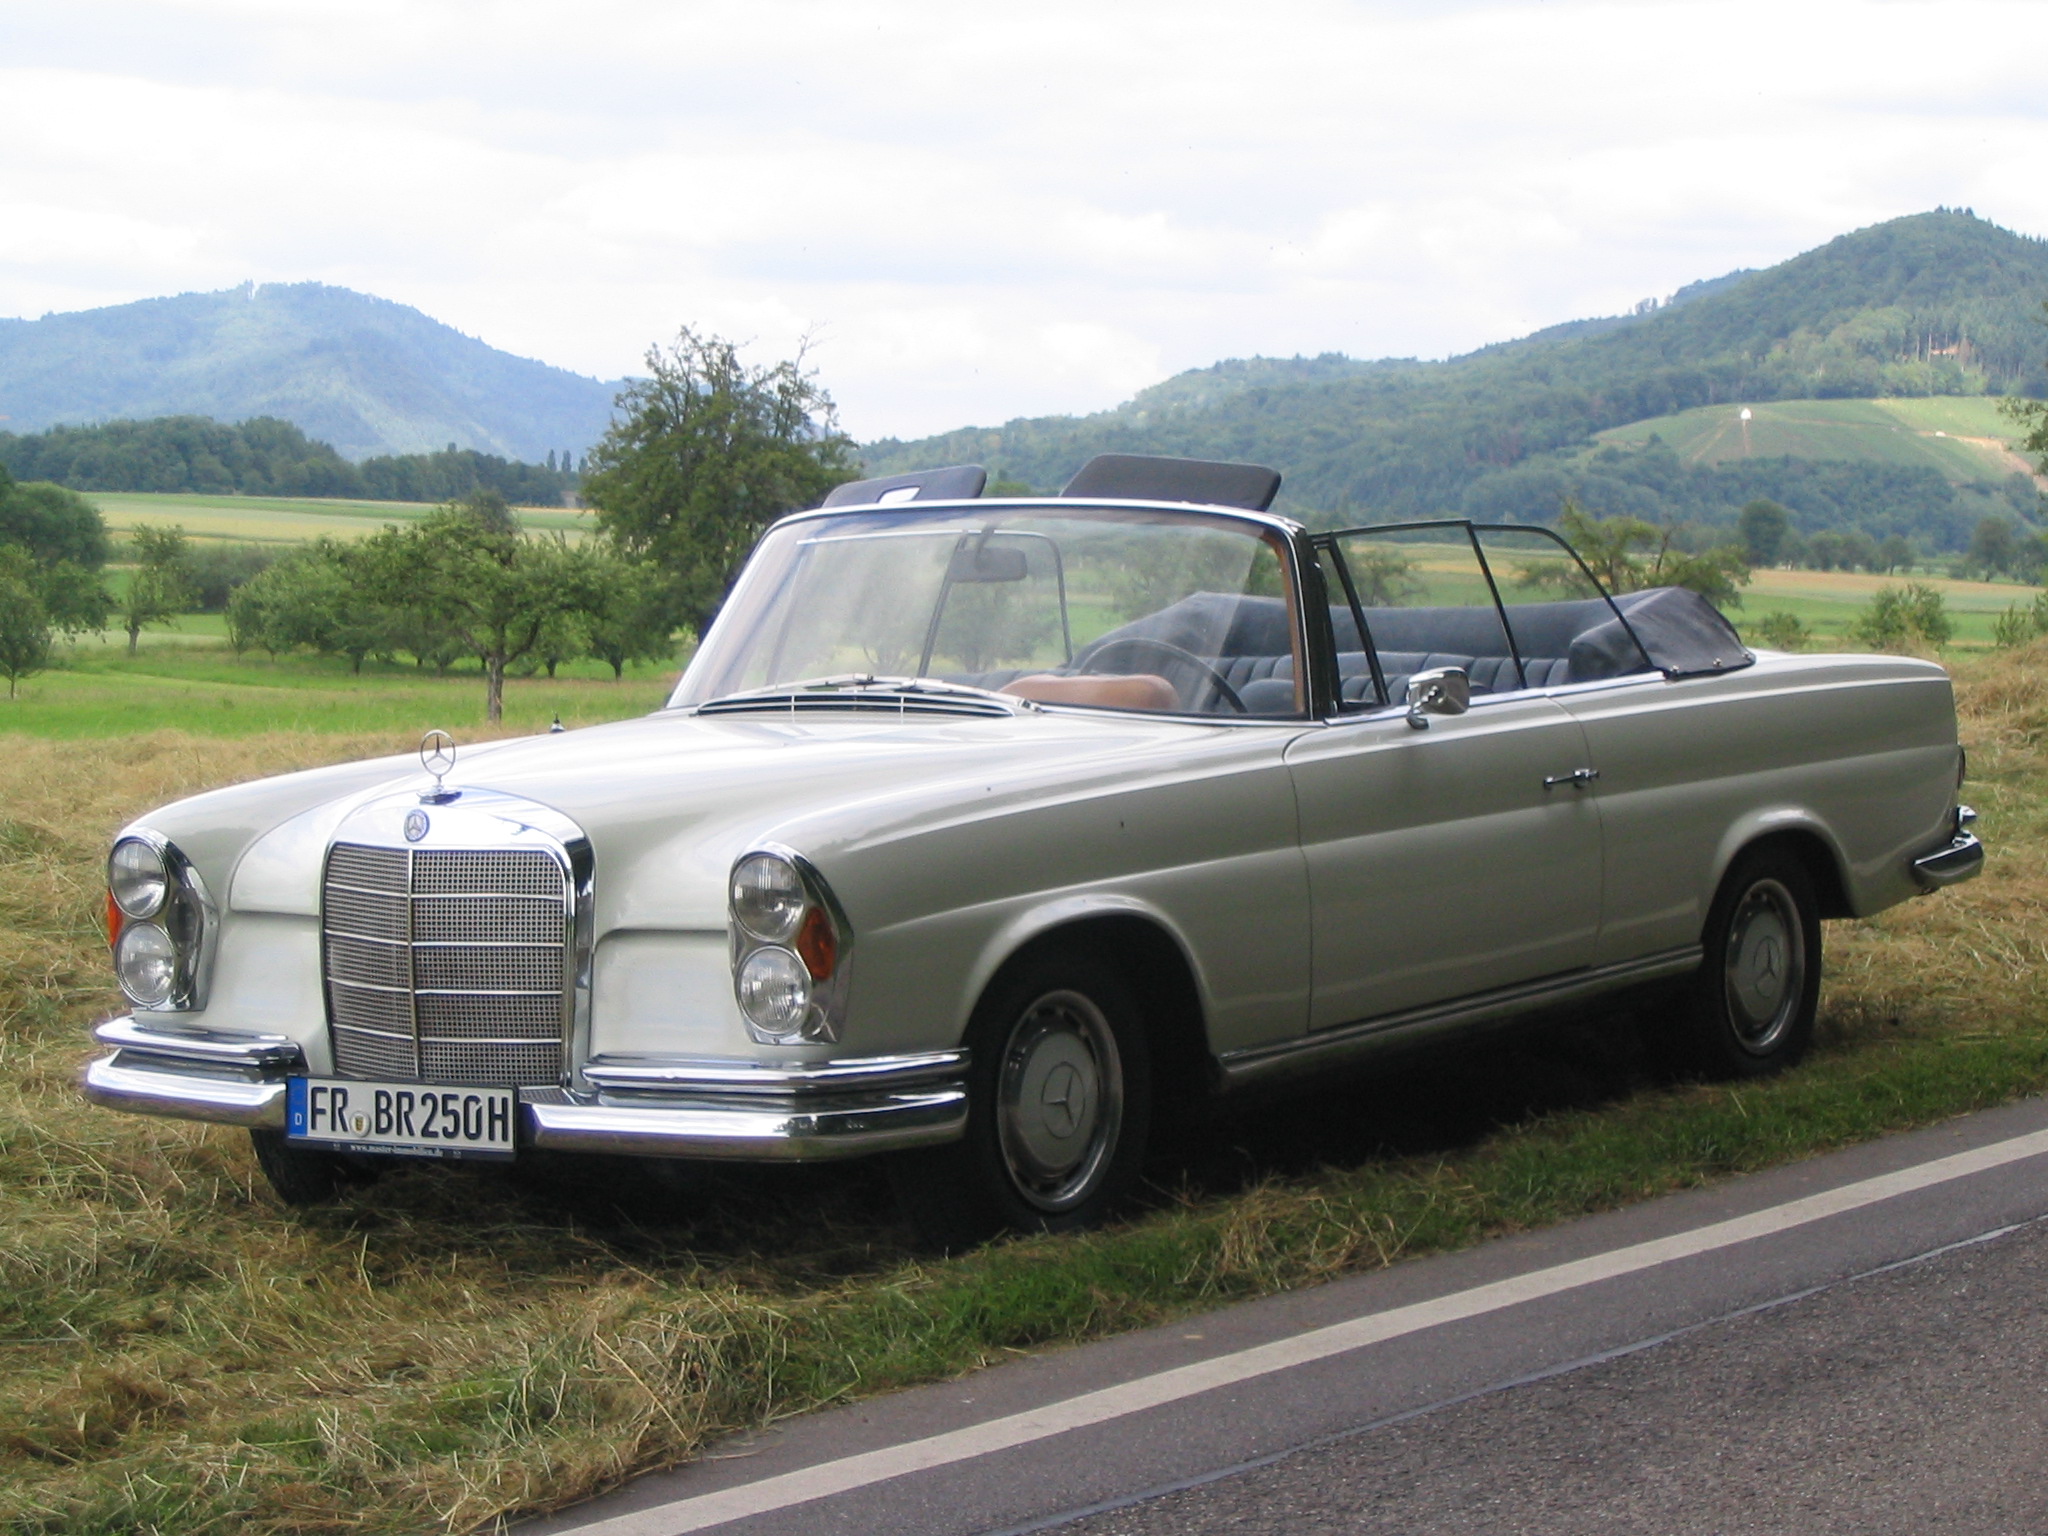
pixel 652 1106
pixel 1349 1042
pixel 192 1073
pixel 1962 859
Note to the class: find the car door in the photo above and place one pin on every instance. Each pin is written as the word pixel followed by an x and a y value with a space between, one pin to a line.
pixel 1454 859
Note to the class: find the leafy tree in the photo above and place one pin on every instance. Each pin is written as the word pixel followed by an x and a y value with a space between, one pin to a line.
pixel 1999 549
pixel 495 592
pixel 703 455
pixel 2021 625
pixel 1895 554
pixel 1763 525
pixel 51 523
pixel 24 625
pixel 1628 554
pixel 159 589
pixel 1783 631
pixel 322 598
pixel 1911 617
pixel 631 620
pixel 215 570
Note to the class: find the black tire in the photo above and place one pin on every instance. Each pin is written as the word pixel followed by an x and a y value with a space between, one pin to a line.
pixel 1750 1009
pixel 1059 1109
pixel 305 1175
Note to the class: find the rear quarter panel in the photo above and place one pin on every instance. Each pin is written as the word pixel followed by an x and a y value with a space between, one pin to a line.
pixel 1858 750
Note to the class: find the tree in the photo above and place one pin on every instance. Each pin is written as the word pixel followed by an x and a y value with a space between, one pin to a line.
pixel 496 593
pixel 1628 554
pixel 632 620
pixel 1911 617
pixel 24 625
pixel 51 523
pixel 159 589
pixel 1895 554
pixel 1994 547
pixel 703 455
pixel 1783 631
pixel 1763 525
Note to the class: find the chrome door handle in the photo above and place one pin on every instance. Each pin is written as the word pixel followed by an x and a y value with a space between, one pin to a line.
pixel 1578 778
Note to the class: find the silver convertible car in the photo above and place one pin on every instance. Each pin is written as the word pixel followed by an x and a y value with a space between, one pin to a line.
pixel 981 832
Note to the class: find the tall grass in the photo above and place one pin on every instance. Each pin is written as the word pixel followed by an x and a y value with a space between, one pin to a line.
pixel 180 1354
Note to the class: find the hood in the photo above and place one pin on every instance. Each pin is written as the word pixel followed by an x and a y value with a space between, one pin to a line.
pixel 669 800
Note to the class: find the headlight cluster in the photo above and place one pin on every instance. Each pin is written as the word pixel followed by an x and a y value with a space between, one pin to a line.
pixel 157 921
pixel 788 950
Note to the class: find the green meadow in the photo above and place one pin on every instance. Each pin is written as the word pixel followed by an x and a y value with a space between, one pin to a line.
pixel 1964 437
pixel 187 680
pixel 292 520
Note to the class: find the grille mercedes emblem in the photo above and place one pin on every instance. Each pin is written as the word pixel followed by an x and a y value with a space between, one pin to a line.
pixel 415 826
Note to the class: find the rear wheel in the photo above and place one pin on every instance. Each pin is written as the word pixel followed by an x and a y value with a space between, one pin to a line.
pixel 1752 1005
pixel 305 1175
pixel 1059 1105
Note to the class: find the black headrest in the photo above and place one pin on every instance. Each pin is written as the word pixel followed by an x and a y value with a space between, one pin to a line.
pixel 960 482
pixel 1143 477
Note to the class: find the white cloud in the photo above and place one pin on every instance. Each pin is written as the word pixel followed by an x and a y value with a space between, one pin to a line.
pixel 983 211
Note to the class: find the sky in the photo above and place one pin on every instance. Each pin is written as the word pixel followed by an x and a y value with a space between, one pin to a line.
pixel 969 212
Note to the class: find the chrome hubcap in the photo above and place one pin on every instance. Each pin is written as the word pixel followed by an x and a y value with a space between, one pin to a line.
pixel 1766 965
pixel 1059 1101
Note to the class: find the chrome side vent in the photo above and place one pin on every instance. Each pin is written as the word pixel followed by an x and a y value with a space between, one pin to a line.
pixel 447 965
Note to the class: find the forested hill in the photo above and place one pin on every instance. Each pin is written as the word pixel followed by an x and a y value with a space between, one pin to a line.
pixel 1937 303
pixel 367 375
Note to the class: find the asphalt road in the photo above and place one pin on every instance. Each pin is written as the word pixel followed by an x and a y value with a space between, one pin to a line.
pixel 1854 1343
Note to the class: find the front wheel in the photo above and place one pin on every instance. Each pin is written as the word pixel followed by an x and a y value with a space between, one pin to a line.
pixel 1752 1005
pixel 1059 1105
pixel 302 1175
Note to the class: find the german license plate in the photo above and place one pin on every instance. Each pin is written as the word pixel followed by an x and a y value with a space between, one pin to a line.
pixel 400 1119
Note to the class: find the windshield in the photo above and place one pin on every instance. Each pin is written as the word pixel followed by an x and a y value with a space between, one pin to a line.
pixel 1112 607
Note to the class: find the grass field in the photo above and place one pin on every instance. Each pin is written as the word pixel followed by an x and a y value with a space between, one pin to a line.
pixel 180 1356
pixel 187 680
pixel 1828 602
pixel 1964 437
pixel 291 520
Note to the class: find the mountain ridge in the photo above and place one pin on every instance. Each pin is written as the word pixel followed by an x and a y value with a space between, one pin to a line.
pixel 369 375
pixel 1928 304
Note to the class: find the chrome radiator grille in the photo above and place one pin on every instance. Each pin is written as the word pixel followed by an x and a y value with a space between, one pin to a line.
pixel 446 965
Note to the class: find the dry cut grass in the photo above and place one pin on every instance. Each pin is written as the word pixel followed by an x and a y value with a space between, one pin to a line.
pixel 179 1354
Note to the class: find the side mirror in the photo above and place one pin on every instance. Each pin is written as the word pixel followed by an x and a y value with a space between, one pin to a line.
pixel 1439 691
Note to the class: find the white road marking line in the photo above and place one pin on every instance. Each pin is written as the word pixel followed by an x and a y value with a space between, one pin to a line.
pixel 849 1472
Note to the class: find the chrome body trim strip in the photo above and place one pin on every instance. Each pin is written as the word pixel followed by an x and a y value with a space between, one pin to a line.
pixel 152 1085
pixel 1309 1053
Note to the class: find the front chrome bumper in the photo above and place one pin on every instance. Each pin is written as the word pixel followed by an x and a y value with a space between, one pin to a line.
pixel 648 1106
pixel 643 1106
pixel 1959 859
pixel 194 1073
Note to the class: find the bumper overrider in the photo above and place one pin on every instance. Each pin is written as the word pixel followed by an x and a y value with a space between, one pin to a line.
pixel 642 1106
pixel 1960 858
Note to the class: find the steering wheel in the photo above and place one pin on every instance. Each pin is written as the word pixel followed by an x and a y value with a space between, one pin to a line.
pixel 1218 683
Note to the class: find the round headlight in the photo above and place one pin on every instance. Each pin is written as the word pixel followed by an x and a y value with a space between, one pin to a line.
pixel 146 962
pixel 768 898
pixel 137 877
pixel 775 990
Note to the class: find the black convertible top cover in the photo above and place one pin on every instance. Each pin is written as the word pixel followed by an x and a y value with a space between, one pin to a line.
pixel 958 482
pixel 1146 477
